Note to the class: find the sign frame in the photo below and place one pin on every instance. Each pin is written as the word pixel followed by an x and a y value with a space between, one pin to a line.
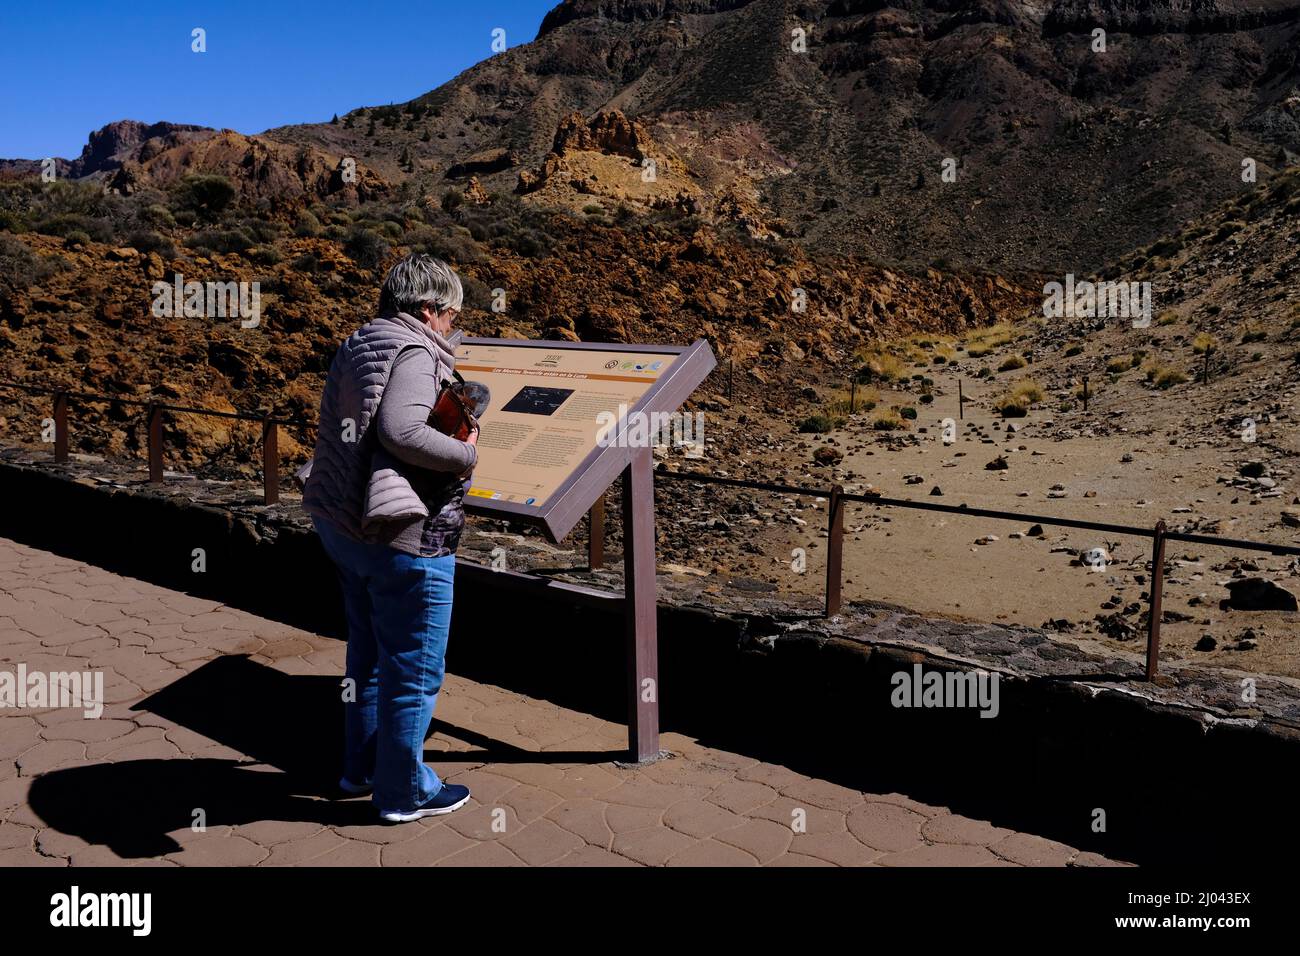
pixel 573 498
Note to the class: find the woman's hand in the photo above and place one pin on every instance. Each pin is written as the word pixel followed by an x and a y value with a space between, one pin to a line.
pixel 471 440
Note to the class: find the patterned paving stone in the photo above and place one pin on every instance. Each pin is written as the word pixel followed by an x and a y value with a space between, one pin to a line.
pixel 585 819
pixel 27 856
pixel 653 845
pixel 761 839
pixel 535 805
pixel 1029 850
pixel 426 848
pixel 594 856
pixel 836 849
pixel 217 850
pixel 949 828
pixel 483 854
pixel 349 853
pixel 303 849
pixel 12 835
pixel 699 819
pixel 625 819
pixel 529 802
pixel 798 859
pixel 821 793
pixel 884 826
pixel 790 813
pixel 932 855
pixel 742 796
pixel 542 842
pixel 712 853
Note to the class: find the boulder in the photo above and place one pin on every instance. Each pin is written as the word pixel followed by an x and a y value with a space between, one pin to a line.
pixel 1258 594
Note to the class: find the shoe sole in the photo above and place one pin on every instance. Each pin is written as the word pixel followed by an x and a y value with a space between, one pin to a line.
pixel 395 817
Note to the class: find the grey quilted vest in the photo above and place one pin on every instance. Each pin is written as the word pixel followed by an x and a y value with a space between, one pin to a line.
pixel 354 482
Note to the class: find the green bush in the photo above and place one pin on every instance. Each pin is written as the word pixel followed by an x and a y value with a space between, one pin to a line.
pixel 204 194
pixel 1012 406
pixel 158 216
pixel 1227 229
pixel 221 240
pixel 365 247
pixel 818 424
pixel 888 421
pixel 268 255
pixel 264 230
pixel 20 268
pixel 307 225
pixel 101 230
pixel 1168 377
pixel 147 241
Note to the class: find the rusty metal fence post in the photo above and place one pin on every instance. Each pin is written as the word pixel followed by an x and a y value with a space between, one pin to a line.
pixel 1157 590
pixel 61 427
pixel 961 401
pixel 155 445
pixel 596 535
pixel 1085 393
pixel 270 462
pixel 834 548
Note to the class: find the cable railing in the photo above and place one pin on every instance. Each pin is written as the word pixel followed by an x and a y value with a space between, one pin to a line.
pixel 154 429
pixel 834 494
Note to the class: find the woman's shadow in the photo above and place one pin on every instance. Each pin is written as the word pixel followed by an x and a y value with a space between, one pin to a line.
pixel 282 722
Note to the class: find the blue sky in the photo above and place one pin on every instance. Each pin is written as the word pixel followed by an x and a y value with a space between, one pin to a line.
pixel 69 68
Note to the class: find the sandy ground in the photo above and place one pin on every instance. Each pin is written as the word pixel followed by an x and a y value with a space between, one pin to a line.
pixel 932 562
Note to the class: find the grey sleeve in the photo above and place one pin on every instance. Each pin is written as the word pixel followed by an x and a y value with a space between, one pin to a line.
pixel 403 416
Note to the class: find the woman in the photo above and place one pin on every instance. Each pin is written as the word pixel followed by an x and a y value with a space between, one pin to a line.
pixel 385 494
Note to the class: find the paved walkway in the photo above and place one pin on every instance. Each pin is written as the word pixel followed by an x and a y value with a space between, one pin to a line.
pixel 131 786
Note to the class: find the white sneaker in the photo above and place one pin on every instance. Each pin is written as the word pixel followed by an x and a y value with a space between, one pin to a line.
pixel 451 797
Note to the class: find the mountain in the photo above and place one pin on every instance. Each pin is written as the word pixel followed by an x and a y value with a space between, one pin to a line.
pixel 260 169
pixel 1066 152
pixel 1065 156
pixel 111 145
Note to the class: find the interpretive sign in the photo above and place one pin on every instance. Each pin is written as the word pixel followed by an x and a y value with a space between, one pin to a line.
pixel 566 419
pixel 558 410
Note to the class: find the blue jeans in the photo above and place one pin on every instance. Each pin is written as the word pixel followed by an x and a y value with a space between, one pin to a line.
pixel 399 615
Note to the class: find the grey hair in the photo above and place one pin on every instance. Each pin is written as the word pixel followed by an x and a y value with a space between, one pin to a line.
pixel 418 279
